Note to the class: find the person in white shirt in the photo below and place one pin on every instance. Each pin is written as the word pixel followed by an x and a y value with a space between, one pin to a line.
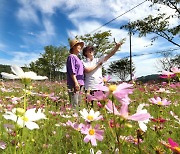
pixel 94 77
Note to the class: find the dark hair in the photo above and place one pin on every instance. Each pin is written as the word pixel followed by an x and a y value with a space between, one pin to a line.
pixel 86 49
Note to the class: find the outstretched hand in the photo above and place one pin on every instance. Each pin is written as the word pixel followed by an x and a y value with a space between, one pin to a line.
pixel 120 42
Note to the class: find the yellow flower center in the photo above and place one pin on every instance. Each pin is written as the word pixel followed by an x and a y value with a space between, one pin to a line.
pixel 25 118
pixel 159 103
pixel 104 79
pixel 91 132
pixel 135 140
pixel 20 111
pixel 89 117
pixel 112 88
pixel 177 149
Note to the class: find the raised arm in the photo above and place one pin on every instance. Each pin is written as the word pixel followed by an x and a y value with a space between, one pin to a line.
pixel 113 51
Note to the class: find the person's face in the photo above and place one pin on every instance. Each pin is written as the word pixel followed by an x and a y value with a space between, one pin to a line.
pixel 76 49
pixel 90 53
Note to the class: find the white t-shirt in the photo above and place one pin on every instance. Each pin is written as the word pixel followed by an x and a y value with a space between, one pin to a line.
pixel 93 78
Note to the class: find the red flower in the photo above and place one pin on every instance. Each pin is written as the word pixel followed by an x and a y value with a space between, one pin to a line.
pixel 159 120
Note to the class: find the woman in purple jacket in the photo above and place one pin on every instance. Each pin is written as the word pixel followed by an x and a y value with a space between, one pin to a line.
pixel 75 72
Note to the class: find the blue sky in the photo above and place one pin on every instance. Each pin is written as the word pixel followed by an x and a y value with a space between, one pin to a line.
pixel 26 26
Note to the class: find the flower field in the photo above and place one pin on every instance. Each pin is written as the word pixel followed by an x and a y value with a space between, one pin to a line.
pixel 125 118
pixel 147 121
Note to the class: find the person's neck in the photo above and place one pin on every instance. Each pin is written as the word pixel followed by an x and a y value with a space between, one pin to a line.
pixel 90 58
pixel 75 54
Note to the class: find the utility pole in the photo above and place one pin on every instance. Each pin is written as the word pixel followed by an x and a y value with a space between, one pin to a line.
pixel 130 54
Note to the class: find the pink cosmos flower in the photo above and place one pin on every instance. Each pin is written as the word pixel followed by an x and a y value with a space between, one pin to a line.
pixel 15 100
pixel 99 104
pixel 92 134
pixel 163 90
pixel 120 91
pixel 141 115
pixel 5 90
pixel 50 96
pixel 131 139
pixel 159 101
pixel 90 97
pixel 99 95
pixel 106 78
pixel 172 145
pixel 175 70
pixel 2 145
pixel 167 75
pixel 75 125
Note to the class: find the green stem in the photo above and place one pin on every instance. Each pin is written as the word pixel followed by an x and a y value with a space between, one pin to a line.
pixel 117 135
pixel 25 98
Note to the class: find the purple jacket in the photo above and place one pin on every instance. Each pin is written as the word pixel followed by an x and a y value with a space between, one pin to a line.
pixel 74 66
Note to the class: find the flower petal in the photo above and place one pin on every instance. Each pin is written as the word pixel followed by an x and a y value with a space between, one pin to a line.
pixel 9 76
pixel 17 70
pixel 31 125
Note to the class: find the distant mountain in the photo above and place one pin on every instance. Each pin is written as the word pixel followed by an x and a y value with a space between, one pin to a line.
pixel 153 77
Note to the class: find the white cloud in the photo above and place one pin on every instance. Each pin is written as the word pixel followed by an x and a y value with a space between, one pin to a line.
pixel 45 37
pixel 47 6
pixel 20 58
pixel 27 12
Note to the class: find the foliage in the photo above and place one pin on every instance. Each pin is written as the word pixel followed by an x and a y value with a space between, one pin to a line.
pixel 51 61
pixel 121 68
pixel 176 60
pixel 5 68
pixel 173 4
pixel 168 61
pixel 99 40
pixel 158 25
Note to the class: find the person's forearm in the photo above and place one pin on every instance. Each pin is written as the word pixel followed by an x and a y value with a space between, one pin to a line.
pixel 73 76
pixel 113 51
pixel 89 69
pixel 76 84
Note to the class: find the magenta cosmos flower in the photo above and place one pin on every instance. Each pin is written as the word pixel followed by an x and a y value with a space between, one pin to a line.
pixel 141 115
pixel 172 145
pixel 92 134
pixel 167 75
pixel 159 101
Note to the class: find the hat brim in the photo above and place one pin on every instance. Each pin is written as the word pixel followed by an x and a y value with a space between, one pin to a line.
pixel 79 43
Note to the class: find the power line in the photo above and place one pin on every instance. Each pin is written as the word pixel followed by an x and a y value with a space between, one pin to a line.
pixel 150 53
pixel 117 17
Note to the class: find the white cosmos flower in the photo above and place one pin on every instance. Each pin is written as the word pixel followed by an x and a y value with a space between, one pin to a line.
pixel 91 116
pixel 142 124
pixel 25 119
pixel 20 74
